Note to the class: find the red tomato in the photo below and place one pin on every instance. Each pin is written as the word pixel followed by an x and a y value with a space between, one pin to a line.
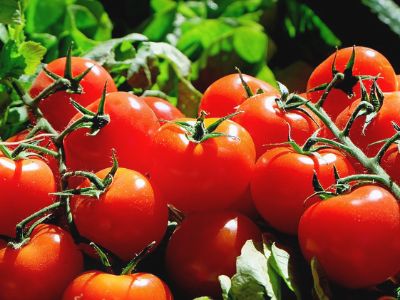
pixel 25 186
pixel 57 108
pixel 202 176
pixel 224 95
pixel 205 246
pixel 46 143
pixel 391 163
pixel 95 285
pixel 129 132
pixel 126 218
pixel 163 109
pixel 367 62
pixel 282 181
pixel 268 124
pixel 380 128
pixel 355 236
pixel 41 269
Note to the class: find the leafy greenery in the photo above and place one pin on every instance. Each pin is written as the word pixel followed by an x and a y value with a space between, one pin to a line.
pixel 388 12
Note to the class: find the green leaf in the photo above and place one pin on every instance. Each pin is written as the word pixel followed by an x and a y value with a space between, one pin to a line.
pixel 12 63
pixel 388 11
pixel 251 280
pixel 321 283
pixel 251 44
pixel 161 5
pixel 226 284
pixel 161 24
pixel 203 298
pixel 10 12
pixel 267 75
pixel 33 53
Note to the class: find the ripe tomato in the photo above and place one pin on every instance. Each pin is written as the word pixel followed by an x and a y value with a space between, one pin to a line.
pixel 391 163
pixel 163 109
pixel 126 218
pixel 129 132
pixel 203 176
pixel 25 186
pixel 224 95
pixel 41 269
pixel 282 181
pixel 380 127
pixel 205 246
pixel 95 285
pixel 355 236
pixel 367 62
pixel 46 143
pixel 57 108
pixel 268 124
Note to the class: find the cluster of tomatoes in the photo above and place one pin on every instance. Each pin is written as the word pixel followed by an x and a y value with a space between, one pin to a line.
pixel 230 166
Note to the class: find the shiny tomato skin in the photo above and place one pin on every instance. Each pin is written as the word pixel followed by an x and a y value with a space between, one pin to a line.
pixel 223 96
pixel 42 268
pixel 355 236
pixel 57 108
pixel 95 285
pixel 268 124
pixel 204 176
pixel 205 246
pixel 126 218
pixel 380 127
pixel 46 143
pixel 163 109
pixel 282 182
pixel 367 62
pixel 25 187
pixel 391 163
pixel 129 132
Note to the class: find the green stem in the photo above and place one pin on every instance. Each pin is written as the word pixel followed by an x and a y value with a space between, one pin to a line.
pixel 131 266
pixel 20 228
pixel 354 115
pixel 57 85
pixel 92 177
pixel 39 149
pixel 336 78
pixel 361 177
pixel 385 147
pixel 78 123
pixel 353 150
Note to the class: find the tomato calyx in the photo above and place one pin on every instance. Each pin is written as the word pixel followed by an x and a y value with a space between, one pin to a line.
pixel 198 132
pixel 246 87
pixel 97 186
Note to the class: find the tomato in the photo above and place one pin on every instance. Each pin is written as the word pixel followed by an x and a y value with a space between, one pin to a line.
pixel 203 176
pixel 127 216
pixel 282 182
pixel 268 124
pixel 205 246
pixel 391 162
pixel 57 108
pixel 380 127
pixel 25 187
pixel 44 142
pixel 129 132
pixel 42 268
pixel 355 236
pixel 163 109
pixel 95 285
pixel 367 62
pixel 224 95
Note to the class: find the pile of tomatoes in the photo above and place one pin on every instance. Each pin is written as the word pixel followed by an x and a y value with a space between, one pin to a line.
pixel 243 162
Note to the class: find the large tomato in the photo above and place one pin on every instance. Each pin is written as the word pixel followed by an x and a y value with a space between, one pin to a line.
pixel 202 176
pixel 205 246
pixel 127 216
pixel 355 236
pixel 130 133
pixel 41 269
pixel 95 285
pixel 367 62
pixel 380 128
pixel 224 95
pixel 282 182
pixel 163 109
pixel 25 187
pixel 57 108
pixel 268 124
pixel 391 162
